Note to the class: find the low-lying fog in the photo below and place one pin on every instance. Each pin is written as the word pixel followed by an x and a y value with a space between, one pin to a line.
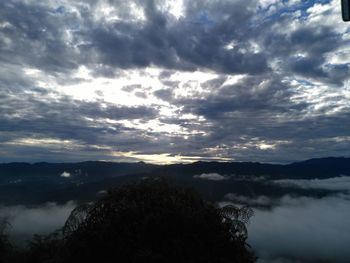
pixel 294 229
pixel 304 229
pixel 27 221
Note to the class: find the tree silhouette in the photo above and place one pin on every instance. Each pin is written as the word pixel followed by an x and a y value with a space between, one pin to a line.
pixel 43 249
pixel 75 219
pixel 151 221
pixel 5 245
pixel 237 218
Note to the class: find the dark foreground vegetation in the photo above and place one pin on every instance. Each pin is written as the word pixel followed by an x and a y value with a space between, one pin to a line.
pixel 149 221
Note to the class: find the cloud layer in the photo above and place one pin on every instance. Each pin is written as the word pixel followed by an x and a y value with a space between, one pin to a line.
pixel 171 81
pixel 297 228
pixel 303 230
pixel 27 221
pixel 211 176
pixel 341 183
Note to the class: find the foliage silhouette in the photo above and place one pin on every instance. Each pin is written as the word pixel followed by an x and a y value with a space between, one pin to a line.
pixel 151 221
pixel 238 218
pixel 43 249
pixel 4 243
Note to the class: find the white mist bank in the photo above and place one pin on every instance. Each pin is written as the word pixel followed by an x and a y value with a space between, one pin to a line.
pixel 27 221
pixel 303 230
pixel 341 183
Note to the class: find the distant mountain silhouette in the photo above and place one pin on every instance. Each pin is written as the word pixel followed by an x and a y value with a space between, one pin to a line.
pixel 313 168
pixel 24 183
pixel 86 169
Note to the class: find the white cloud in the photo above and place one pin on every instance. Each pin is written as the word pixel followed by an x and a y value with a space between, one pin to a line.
pixel 260 200
pixel 341 183
pixel 66 174
pixel 174 7
pixel 211 176
pixel 53 143
pixel 303 230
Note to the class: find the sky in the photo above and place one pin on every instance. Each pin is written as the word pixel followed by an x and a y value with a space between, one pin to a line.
pixel 173 81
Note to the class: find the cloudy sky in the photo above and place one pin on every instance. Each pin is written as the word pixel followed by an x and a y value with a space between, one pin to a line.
pixel 173 81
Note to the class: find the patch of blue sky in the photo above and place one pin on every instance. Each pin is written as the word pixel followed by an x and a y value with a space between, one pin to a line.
pixel 304 82
pixel 204 19
pixel 344 66
pixel 286 9
pixel 61 10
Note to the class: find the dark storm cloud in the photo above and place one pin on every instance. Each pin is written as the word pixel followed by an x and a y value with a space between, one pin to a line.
pixel 185 44
pixel 244 96
pixel 38 117
pixel 35 37
pixel 316 43
pixel 311 40
pixel 61 39
pixel 64 111
pixel 303 51
pixel 164 94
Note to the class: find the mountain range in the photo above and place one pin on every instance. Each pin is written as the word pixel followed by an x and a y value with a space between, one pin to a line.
pixel 25 183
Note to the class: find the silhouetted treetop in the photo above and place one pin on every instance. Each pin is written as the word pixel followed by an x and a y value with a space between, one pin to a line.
pixel 152 221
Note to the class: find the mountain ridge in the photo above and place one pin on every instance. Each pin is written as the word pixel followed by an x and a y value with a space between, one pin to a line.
pixel 25 183
pixel 311 168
